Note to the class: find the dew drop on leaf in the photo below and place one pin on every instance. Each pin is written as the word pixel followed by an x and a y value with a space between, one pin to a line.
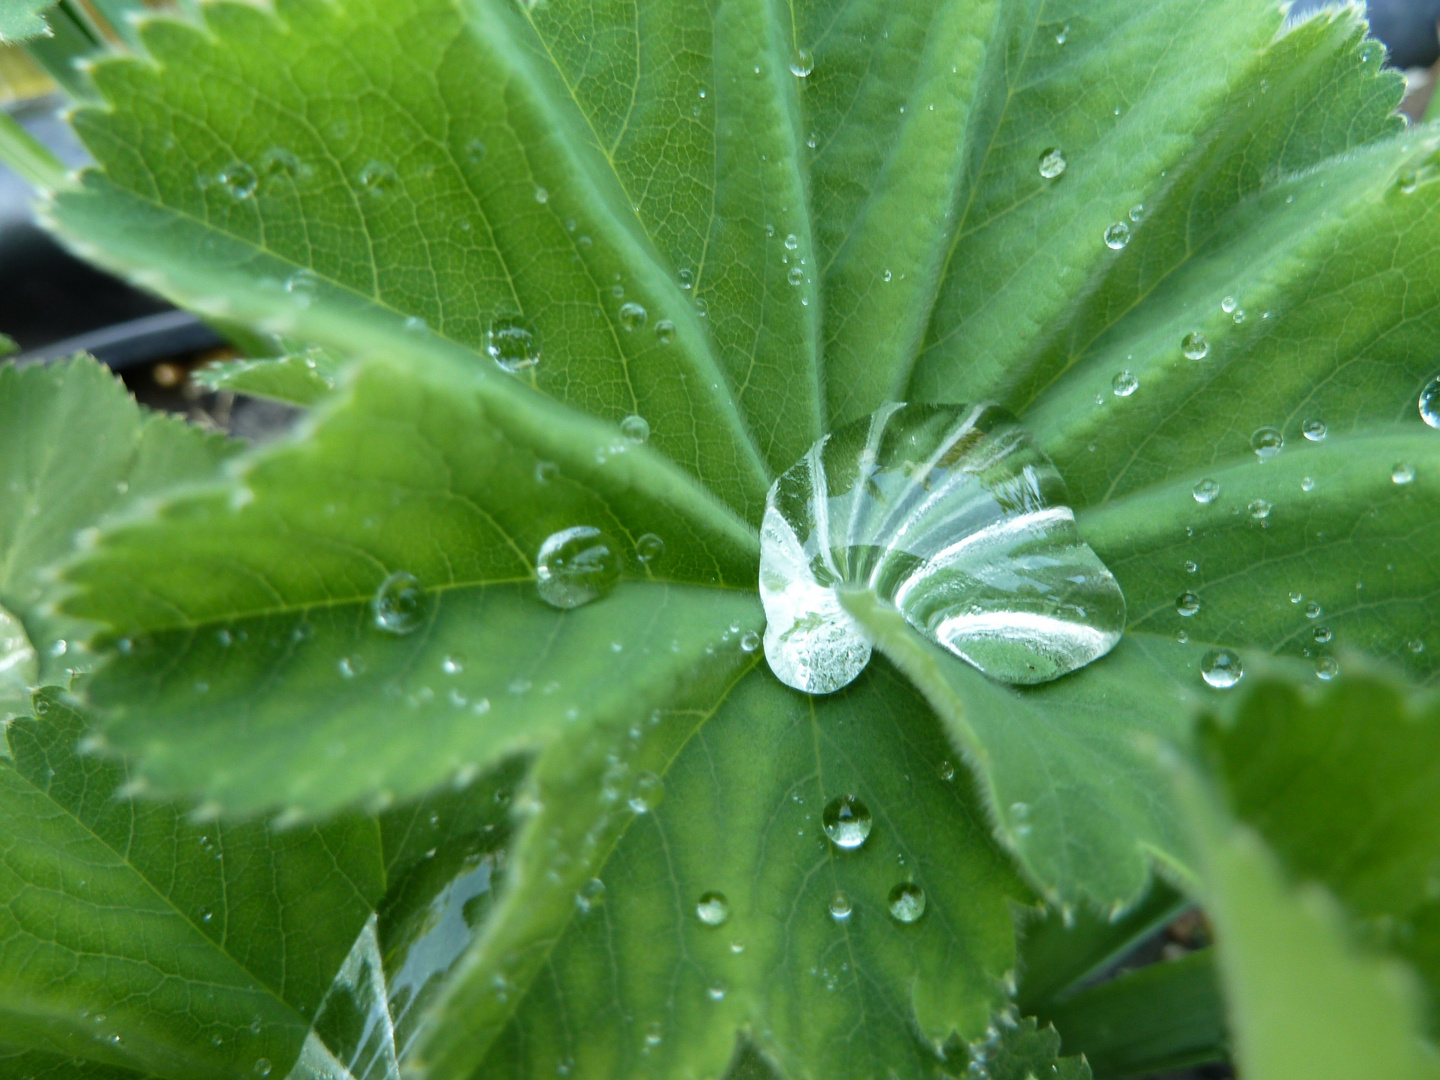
pixel 1117 236
pixel 665 331
pixel 1125 384
pixel 378 178
pixel 1326 668
pixel 649 548
pixel 1228 304
pixel 1314 430
pixel 1187 604
pixel 795 275
pixel 1402 473
pixel 840 907
pixel 239 180
pixel 713 909
pixel 1267 442
pixel 749 641
pixel 907 902
pixel 1259 509
pixel 951 514
pixel 512 343
pixel 1206 491
pixel 801 63
pixel 1313 610
pixel 1322 635
pixel 646 793
pixel 635 428
pixel 1195 346
pixel 633 316
pixel 575 566
pixel 399 603
pixel 946 771
pixel 846 821
pixel 1221 668
pixel 262 1067
pixel 1053 163
pixel 1430 403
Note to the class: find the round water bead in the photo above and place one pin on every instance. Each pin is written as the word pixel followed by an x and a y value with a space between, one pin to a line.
pixel 1314 430
pixel 399 603
pixel 648 548
pixel 576 566
pixel 1267 442
pixel 1327 668
pixel 1187 604
pixel 1206 491
pixel 1221 668
pixel 801 63
pixel 1195 346
pixel 1053 163
pixel 846 821
pixel 713 909
pixel 952 515
pixel 512 343
pixel 1125 384
pixel 1402 473
pixel 633 316
pixel 635 428
pixel 1117 236
pixel 840 907
pixel 1430 402
pixel 907 902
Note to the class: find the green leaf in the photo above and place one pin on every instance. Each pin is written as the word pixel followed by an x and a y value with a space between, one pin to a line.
pixel 21 19
pixel 37 1065
pixel 297 380
pixel 259 597
pixel 746 782
pixel 139 939
pixel 76 452
pixel 1303 1000
pixel 1025 1050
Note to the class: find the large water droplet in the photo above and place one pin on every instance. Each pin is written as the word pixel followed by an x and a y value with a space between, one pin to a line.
pixel 665 331
pixel 1053 163
pixel 1221 668
pixel 635 428
pixel 713 909
pixel 1117 236
pixel 907 902
pixel 952 514
pixel 399 603
pixel 1267 442
pixel 801 63
pixel 576 566
pixel 846 821
pixel 1314 430
pixel 1125 384
pixel 633 316
pixel 1326 668
pixel 1430 402
pixel 1195 346
pixel 512 343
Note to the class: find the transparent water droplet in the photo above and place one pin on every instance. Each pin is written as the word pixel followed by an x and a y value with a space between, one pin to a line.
pixel 1221 668
pixel 1314 430
pixel 635 428
pixel 1137 213
pixel 379 178
pixel 1053 163
pixel 1195 346
pixel 1259 509
pixel 575 566
pixel 1267 442
pixel 801 63
pixel 713 909
pixel 953 515
pixel 1408 182
pixel 1228 304
pixel 791 242
pixel 846 821
pixel 262 1066
pixel 647 793
pixel 1313 610
pixel 1206 491
pixel 1307 483
pixel 1117 236
pixel 1237 316
pixel 1326 668
pixel 542 195
pixel 1191 566
pixel 1415 645
pixel 452 665
pixel 513 343
pixel 239 180
pixel 1322 635
pixel 1125 384
pixel 840 907
pixel 749 641
pixel 633 316
pixel 665 331
pixel 648 548
pixel 716 992
pixel 1187 604
pixel 399 604
pixel 1430 403
pixel 278 162
pixel 946 771
pixel 795 275
pixel 907 902
pixel 1402 473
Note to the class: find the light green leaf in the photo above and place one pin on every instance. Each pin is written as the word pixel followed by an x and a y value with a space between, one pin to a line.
pixel 1025 1050
pixel 746 782
pixel 297 380
pixel 21 19
pixel 259 594
pixel 37 1065
pixel 138 939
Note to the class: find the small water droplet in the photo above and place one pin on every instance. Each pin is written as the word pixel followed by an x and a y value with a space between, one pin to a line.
pixel 795 275
pixel 846 821
pixel 1415 645
pixel 713 909
pixel 1259 509
pixel 1314 430
pixel 1267 442
pixel 452 665
pixel 1313 610
pixel 399 603
pixel 635 428
pixel 1322 635
pixel 1402 473
pixel 512 343
pixel 1206 491
pixel 206 914
pixel 947 771
pixel 541 195
pixel 649 548
pixel 1191 566
pixel 1187 604
pixel 791 242
pixel 633 316
pixel 1125 384
pixel 801 63
pixel 239 180
pixel 665 331
pixel 1238 316
pixel 840 907
pixel 1409 181
pixel 1307 483
pixel 1228 304
pixel 1053 163
pixel 262 1066
pixel 716 991
pixel 907 902
pixel 1195 346
pixel 378 178
pixel 749 641
pixel 1137 213
pixel 575 566
pixel 1062 35
pixel 1117 236
pixel 1326 668
pixel 1430 403
pixel 654 1034
pixel 646 793
pixel 1221 668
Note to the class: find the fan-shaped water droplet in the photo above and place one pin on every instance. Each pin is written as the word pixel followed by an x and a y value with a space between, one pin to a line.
pixel 846 821
pixel 1187 604
pixel 513 343
pixel 1206 491
pixel 1314 430
pixel 840 907
pixel 1195 346
pixel 1326 668
pixel 399 603
pixel 713 909
pixel 801 63
pixel 1053 163
pixel 633 316
pixel 1267 442
pixel 575 566
pixel 907 902
pixel 665 331
pixel 1430 402
pixel 1259 509
pixel 952 514
pixel 1402 473
pixel 635 428
pixel 239 180
pixel 1117 236
pixel 1221 668
pixel 1125 384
